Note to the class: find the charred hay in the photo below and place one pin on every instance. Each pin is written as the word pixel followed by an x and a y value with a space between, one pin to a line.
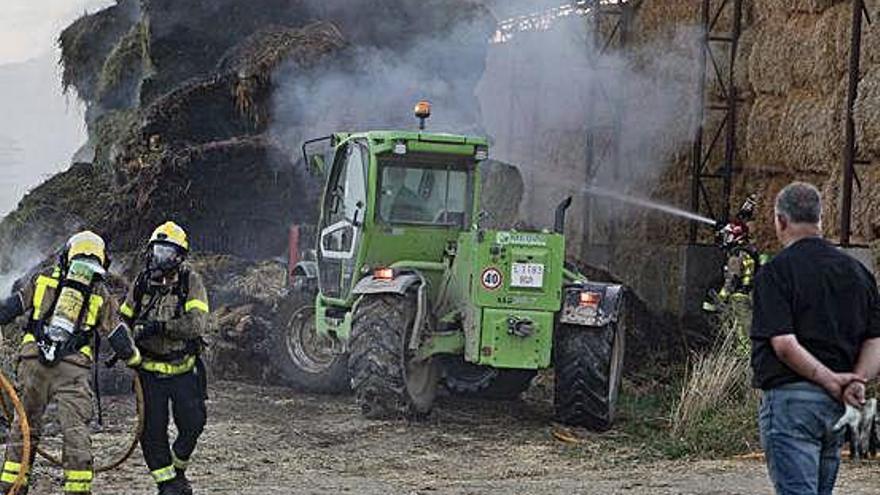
pixel 235 101
pixel 87 42
pixel 236 196
pixel 126 66
pixel 76 198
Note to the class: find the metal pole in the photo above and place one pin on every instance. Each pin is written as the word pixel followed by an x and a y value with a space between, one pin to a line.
pixel 697 153
pixel 732 102
pixel 618 107
pixel 849 149
pixel 593 40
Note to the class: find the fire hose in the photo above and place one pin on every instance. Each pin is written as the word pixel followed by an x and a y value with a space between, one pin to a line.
pixel 132 445
pixel 9 390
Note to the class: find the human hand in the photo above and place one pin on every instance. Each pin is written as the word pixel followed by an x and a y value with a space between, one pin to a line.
pixel 144 329
pixel 854 393
pixel 836 383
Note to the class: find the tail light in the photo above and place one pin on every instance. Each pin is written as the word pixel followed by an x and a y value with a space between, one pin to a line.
pixel 589 299
pixel 383 274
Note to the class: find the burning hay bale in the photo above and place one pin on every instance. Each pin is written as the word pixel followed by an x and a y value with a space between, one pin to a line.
pixel 237 197
pixel 87 42
pixel 262 52
pixel 255 59
pixel 127 63
pixel 47 216
pixel 235 100
pixel 199 111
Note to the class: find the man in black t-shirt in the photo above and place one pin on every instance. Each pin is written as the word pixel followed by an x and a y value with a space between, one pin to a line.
pixel 815 343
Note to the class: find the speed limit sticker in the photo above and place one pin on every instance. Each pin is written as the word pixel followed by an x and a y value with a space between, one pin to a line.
pixel 491 278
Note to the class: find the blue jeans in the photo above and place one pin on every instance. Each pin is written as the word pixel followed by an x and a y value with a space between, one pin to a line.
pixel 802 450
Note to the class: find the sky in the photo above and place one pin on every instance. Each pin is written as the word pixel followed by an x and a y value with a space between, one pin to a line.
pixel 46 127
pixel 28 28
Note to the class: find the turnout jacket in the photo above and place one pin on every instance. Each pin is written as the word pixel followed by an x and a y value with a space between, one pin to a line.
pixel 38 297
pixel 181 308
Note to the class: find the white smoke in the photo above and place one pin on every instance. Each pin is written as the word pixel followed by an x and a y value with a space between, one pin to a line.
pixel 369 88
pixel 543 91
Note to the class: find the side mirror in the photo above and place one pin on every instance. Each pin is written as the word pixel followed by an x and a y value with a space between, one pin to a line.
pixel 314 161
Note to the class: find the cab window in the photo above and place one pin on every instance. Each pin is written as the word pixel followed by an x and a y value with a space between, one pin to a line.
pixel 424 190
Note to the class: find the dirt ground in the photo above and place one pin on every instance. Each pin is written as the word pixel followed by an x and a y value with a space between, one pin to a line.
pixel 269 441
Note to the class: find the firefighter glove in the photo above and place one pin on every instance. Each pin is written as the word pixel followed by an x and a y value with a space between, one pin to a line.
pixel 10 308
pixel 123 345
pixel 144 329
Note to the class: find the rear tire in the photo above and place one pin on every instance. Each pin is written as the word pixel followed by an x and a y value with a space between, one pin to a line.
pixel 588 365
pixel 388 383
pixel 305 360
pixel 483 382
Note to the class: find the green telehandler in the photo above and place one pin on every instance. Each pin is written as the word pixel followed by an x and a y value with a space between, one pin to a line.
pixel 405 290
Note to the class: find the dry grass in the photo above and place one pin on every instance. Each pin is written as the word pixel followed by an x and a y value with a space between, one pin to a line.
pixel 717 381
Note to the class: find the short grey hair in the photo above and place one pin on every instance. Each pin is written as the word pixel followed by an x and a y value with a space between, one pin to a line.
pixel 800 202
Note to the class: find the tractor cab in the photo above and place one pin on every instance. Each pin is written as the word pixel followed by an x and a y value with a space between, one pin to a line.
pixel 390 196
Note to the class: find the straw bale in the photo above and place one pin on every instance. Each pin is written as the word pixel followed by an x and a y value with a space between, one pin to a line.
pixel 801 132
pixel 866 204
pixel 867 114
pixel 800 52
pixel 871 37
pixel 763 9
pixel 659 19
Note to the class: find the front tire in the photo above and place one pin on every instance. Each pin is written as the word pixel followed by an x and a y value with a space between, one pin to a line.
pixel 304 359
pixel 388 382
pixel 588 365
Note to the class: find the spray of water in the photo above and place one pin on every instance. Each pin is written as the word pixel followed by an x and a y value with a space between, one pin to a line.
pixel 645 203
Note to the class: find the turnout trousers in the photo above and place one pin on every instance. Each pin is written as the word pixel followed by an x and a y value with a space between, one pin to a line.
pixel 68 385
pixel 185 393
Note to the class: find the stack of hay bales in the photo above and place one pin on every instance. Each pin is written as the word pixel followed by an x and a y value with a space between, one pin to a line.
pixel 798 72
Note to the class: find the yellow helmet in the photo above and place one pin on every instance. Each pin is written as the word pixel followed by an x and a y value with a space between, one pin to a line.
pixel 171 233
pixel 87 243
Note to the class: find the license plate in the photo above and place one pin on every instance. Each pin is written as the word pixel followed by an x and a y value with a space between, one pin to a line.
pixel 529 275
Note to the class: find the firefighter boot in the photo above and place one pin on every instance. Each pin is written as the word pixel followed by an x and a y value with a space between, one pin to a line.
pixel 172 487
pixel 183 482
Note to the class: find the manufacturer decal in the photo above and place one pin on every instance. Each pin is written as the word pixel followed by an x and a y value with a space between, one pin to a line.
pixel 519 239
pixel 491 278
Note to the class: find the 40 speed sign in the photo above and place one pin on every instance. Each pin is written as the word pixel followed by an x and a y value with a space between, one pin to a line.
pixel 491 278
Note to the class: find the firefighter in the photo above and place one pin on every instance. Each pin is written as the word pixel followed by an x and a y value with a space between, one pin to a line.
pixel 167 314
pixel 67 305
pixel 742 257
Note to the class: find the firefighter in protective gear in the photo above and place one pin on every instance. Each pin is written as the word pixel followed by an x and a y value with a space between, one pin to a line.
pixel 743 258
pixel 167 314
pixel 67 305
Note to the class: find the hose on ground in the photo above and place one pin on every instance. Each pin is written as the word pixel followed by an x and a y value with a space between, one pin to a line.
pixel 25 428
pixel 132 445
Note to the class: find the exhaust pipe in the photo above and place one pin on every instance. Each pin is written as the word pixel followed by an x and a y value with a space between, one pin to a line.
pixel 561 209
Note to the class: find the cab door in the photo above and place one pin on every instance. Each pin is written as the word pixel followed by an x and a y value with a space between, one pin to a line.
pixel 342 219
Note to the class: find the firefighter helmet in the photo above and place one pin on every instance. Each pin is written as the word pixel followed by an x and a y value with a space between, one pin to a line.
pixel 171 233
pixel 86 243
